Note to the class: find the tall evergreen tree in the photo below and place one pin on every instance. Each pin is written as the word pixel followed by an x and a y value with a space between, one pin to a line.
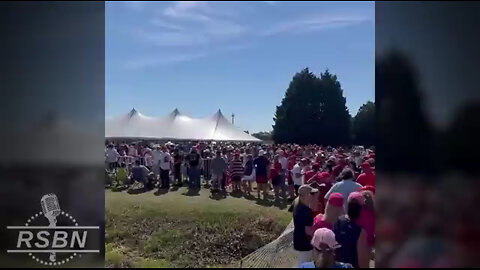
pixel 364 125
pixel 337 120
pixel 312 111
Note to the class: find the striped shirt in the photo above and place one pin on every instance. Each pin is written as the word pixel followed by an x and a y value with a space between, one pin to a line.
pixel 236 168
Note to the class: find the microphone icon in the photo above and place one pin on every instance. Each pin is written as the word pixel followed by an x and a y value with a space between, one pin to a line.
pixel 51 209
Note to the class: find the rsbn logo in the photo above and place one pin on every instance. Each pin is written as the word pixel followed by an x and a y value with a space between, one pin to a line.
pixel 50 244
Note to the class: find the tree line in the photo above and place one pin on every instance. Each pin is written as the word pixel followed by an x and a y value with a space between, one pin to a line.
pixel 314 111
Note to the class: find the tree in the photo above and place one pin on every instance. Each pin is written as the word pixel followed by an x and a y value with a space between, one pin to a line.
pixel 336 128
pixel 364 125
pixel 313 111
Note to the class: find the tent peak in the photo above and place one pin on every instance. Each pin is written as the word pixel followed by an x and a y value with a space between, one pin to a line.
pixel 175 112
pixel 132 112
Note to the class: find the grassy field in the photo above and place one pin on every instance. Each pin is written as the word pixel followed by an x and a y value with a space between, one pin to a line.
pixel 178 229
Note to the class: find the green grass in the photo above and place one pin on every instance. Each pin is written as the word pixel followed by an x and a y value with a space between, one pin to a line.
pixel 176 230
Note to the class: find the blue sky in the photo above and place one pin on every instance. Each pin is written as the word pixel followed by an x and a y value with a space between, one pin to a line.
pixel 235 56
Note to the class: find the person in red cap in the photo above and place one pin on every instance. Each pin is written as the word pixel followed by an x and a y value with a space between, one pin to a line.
pixel 333 209
pixel 367 177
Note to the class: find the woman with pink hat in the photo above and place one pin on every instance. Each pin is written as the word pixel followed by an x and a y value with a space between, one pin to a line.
pixel 324 246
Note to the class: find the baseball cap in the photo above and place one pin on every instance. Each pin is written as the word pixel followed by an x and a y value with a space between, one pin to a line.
pixel 261 153
pixel 335 199
pixel 365 164
pixel 324 237
pixel 356 196
pixel 306 189
pixel 368 188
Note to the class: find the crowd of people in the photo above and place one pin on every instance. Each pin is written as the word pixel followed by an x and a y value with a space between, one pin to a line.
pixel 332 189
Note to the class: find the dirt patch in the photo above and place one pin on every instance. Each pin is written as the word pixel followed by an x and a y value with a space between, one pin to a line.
pixel 200 240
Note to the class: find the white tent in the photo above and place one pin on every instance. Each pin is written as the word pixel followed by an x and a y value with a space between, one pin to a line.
pixel 174 126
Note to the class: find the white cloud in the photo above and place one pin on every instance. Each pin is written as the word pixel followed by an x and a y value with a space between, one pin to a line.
pixel 165 60
pixel 313 24
pixel 223 28
pixel 174 39
pixel 156 61
pixel 192 24
pixel 187 10
pixel 166 25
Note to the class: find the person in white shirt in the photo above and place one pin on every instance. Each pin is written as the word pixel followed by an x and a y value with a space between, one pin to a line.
pixel 111 157
pixel 165 164
pixel 148 158
pixel 283 173
pixel 297 176
pixel 156 155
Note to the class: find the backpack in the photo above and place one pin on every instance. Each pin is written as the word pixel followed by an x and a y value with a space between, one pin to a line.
pixel 347 233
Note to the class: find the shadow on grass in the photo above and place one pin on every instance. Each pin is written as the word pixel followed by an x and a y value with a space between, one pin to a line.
pixel 249 197
pixel 192 192
pixel 160 192
pixel 175 188
pixel 281 204
pixel 264 202
pixel 136 191
pixel 218 195
pixel 236 194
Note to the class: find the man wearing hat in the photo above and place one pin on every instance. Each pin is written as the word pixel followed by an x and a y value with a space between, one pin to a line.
pixel 367 177
pixel 324 245
pixel 303 222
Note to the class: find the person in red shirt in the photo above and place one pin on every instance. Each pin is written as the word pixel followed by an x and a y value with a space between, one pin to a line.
pixel 333 209
pixel 309 175
pixel 323 184
pixel 367 177
pixel 367 215
pixel 341 163
pixel 276 177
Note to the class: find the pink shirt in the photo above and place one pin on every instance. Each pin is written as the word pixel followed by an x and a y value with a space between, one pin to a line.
pixel 319 223
pixel 367 222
